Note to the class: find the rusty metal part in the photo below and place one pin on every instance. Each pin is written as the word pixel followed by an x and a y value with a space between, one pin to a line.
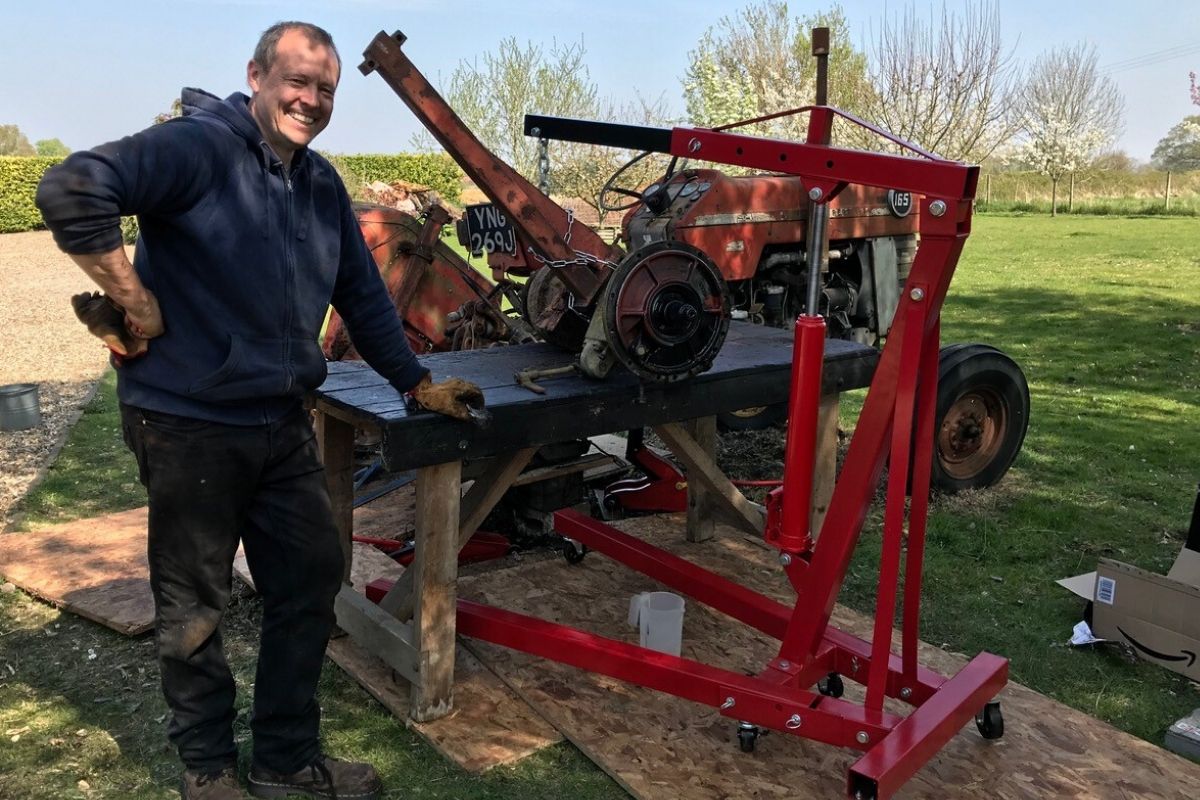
pixel 528 377
pixel 400 243
pixel 480 323
pixel 972 432
pixel 548 307
pixel 539 220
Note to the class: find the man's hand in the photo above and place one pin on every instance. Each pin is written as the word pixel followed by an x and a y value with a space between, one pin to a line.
pixel 453 397
pixel 113 273
pixel 145 320
pixel 108 321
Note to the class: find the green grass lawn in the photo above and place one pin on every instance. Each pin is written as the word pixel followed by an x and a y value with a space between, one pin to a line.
pixel 1103 314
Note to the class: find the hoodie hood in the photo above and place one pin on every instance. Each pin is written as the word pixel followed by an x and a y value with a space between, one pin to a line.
pixel 234 111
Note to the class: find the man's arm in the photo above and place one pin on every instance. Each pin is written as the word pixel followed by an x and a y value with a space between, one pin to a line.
pixel 113 273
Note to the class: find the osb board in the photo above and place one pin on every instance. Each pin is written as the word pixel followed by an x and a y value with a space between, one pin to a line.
pixel 661 747
pixel 95 568
pixel 489 726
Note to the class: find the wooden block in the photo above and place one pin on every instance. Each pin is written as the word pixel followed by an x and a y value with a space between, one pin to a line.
pixel 435 568
pixel 95 568
pixel 490 725
pixel 825 466
pixel 474 507
pixel 702 468
pixel 378 632
pixel 658 746
pixel 701 512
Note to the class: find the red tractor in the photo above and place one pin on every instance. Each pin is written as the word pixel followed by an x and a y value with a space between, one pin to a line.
pixel 697 248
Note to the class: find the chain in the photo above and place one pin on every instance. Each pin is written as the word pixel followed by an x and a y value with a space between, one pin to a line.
pixel 544 165
pixel 581 258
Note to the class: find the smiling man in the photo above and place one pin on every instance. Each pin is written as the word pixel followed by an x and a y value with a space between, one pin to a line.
pixel 246 238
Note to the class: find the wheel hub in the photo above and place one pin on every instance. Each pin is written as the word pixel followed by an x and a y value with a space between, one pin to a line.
pixel 971 432
pixel 666 311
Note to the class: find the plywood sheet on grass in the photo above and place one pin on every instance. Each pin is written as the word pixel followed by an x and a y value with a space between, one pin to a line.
pixel 95 568
pixel 660 747
pixel 490 724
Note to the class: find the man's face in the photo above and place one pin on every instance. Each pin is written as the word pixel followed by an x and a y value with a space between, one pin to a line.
pixel 293 102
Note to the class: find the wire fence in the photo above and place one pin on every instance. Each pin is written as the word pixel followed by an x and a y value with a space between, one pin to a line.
pixel 1108 192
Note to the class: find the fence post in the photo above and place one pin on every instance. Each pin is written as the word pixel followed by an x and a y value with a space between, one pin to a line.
pixel 1167 204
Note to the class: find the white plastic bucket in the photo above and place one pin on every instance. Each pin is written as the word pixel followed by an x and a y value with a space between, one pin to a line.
pixel 659 620
pixel 19 408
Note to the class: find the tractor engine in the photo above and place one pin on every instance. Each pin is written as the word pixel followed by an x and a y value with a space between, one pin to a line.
pixel 753 229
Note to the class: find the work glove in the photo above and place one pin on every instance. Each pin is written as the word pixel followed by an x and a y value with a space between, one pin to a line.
pixel 106 321
pixel 453 397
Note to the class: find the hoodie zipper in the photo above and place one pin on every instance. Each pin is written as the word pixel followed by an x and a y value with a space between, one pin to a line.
pixel 289 278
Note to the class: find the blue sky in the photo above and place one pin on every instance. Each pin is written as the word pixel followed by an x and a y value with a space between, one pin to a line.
pixel 88 72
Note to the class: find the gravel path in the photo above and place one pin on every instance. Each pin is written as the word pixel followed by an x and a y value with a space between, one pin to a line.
pixel 44 344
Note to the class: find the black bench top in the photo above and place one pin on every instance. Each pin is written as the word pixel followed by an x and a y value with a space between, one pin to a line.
pixel 752 369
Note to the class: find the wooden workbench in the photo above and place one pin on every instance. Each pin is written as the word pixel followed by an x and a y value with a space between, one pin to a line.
pixel 413 629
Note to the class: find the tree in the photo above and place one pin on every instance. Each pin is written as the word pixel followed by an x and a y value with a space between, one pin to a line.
pixel 494 97
pixel 1072 112
pixel 14 143
pixel 1179 150
pixel 176 110
pixel 946 83
pixel 759 61
pixel 51 147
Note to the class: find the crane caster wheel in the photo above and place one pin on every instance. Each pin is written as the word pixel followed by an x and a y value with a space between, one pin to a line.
pixel 573 551
pixel 831 685
pixel 747 736
pixel 990 721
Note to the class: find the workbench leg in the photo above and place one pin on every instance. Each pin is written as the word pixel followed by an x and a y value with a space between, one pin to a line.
pixel 701 513
pixel 435 572
pixel 335 439
pixel 825 467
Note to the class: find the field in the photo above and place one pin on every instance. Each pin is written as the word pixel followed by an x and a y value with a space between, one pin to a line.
pixel 1102 313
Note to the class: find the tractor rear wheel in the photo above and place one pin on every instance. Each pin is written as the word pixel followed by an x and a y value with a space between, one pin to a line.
pixel 982 417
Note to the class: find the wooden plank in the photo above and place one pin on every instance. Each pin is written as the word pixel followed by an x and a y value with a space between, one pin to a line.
pixel 584 463
pixel 95 568
pixel 752 369
pixel 662 748
pixel 435 568
pixel 701 468
pixel 825 467
pixel 491 726
pixel 378 632
pixel 335 439
pixel 479 501
pixel 701 511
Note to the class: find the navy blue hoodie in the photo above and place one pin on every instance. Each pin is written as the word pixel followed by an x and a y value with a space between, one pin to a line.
pixel 243 256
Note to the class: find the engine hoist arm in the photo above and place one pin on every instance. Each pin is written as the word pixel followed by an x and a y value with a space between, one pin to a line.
pixel 538 220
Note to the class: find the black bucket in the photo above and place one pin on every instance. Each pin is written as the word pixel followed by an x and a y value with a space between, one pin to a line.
pixel 19 407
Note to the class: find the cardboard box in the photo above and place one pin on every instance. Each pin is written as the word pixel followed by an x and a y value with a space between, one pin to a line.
pixel 1158 616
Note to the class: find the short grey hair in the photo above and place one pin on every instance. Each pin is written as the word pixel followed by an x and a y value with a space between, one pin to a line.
pixel 264 51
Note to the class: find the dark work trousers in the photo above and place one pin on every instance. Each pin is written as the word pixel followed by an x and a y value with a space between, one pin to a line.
pixel 209 485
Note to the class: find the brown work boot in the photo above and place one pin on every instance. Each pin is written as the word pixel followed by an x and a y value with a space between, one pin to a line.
pixel 324 778
pixel 221 784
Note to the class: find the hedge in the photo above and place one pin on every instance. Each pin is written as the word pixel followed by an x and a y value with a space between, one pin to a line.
pixel 19 176
pixel 435 170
